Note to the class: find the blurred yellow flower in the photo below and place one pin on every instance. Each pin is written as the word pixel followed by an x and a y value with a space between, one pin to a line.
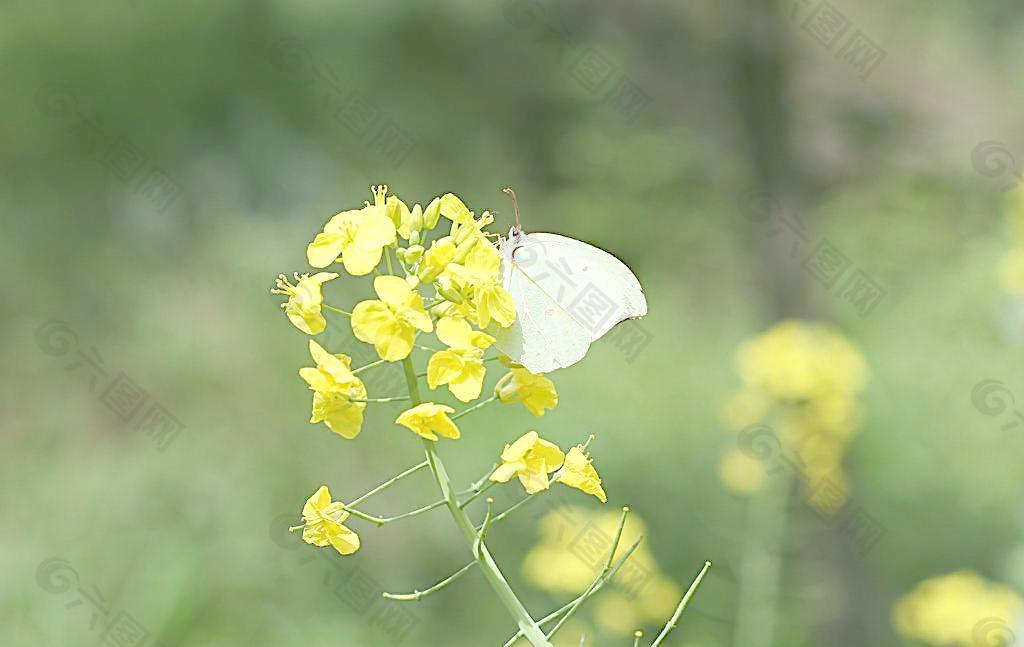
pixel 573 547
pixel 531 458
pixel 1011 271
pixel 429 419
pixel 578 472
pixel 322 523
pixel 741 472
pixel 536 392
pixel 390 323
pixel 803 378
pixel 334 386
pixel 305 300
pixel 461 367
pixel 795 360
pixel 960 608
pixel 359 236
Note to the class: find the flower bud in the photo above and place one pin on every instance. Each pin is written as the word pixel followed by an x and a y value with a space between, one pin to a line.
pixel 432 213
pixel 413 254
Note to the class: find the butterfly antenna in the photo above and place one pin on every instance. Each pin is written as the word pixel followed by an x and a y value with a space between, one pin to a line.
pixel 515 205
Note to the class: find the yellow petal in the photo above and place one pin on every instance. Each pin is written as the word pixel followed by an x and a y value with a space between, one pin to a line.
pixel 394 340
pixel 360 260
pixel 311 323
pixel 324 249
pixel 444 366
pixel 345 542
pixel 376 229
pixel 368 317
pixel 468 385
pixel 518 449
pixel 393 291
pixel 503 473
pixel 534 481
pixel 454 332
pixel 454 209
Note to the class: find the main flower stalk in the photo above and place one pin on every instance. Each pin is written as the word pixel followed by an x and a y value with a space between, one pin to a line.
pixel 490 569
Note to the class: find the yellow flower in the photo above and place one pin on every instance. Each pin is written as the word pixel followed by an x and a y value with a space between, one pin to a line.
pixel 322 523
pixel 478 274
pixel 390 324
pixel 579 472
pixel 305 301
pixel 461 367
pixel 429 419
pixel 334 386
pixel 436 259
pixel 452 208
pixel 536 392
pixel 531 458
pixel 493 302
pixel 359 236
pixel 958 609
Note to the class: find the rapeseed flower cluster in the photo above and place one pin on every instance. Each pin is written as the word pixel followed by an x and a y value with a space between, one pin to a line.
pixel 448 284
pixel 801 381
pixel 960 608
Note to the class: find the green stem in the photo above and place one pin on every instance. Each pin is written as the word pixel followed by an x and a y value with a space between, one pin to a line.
pixel 386 484
pixel 397 398
pixel 637 635
pixel 380 521
pixel 338 310
pixel 490 569
pixel 477 493
pixel 674 620
pixel 604 570
pixel 415 596
pixel 474 407
pixel 370 365
pixel 594 587
pixel 761 565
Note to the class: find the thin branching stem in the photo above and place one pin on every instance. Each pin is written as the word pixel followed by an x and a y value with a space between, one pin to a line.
pixel 380 521
pixel 338 310
pixel 604 570
pixel 386 484
pixel 370 365
pixel 416 596
pixel 674 620
pixel 594 587
pixel 474 407
pixel 397 398
pixel 494 576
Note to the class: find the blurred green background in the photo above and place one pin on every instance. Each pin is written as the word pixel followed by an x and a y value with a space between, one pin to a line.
pixel 162 162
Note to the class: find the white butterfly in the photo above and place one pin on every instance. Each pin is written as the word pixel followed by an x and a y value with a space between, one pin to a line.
pixel 568 294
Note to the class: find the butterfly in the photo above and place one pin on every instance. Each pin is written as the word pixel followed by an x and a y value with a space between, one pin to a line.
pixel 567 294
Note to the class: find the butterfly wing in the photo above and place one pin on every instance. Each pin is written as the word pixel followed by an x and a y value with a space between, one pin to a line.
pixel 567 295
